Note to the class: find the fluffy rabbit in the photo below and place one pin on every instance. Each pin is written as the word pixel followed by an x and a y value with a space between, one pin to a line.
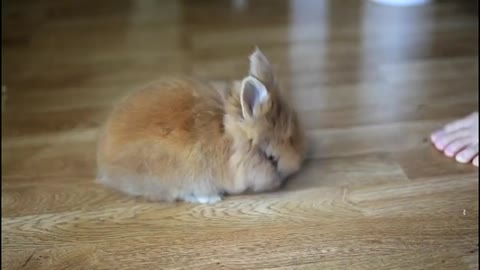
pixel 181 139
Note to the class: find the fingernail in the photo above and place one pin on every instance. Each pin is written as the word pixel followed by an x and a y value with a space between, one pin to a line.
pixel 461 158
pixel 436 135
pixel 441 145
pixel 449 153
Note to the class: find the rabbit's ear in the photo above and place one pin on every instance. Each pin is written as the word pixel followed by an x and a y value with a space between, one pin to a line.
pixel 255 99
pixel 260 67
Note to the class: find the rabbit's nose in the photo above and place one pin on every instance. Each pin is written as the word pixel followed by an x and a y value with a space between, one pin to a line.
pixel 287 167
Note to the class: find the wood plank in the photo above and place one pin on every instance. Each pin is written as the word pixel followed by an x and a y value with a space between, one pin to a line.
pixel 369 81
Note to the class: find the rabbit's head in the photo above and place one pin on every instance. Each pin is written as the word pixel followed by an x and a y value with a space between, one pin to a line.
pixel 265 124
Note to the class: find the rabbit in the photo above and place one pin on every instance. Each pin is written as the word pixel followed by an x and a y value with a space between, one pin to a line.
pixel 179 139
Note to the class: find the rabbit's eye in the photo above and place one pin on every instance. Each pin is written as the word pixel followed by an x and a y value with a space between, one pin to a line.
pixel 273 160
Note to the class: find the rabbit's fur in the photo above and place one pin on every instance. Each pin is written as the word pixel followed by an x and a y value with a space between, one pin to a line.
pixel 180 139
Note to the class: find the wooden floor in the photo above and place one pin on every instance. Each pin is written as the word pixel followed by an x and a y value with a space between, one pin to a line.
pixel 371 82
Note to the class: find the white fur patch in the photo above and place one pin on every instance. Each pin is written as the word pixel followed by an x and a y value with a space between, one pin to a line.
pixel 203 199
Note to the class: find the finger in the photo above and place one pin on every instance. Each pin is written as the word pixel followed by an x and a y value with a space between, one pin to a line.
pixel 467 154
pixel 447 138
pixel 459 144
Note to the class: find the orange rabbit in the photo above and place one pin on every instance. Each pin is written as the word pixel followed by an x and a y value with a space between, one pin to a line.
pixel 180 139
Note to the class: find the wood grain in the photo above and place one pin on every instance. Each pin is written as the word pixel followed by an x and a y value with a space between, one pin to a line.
pixel 370 82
